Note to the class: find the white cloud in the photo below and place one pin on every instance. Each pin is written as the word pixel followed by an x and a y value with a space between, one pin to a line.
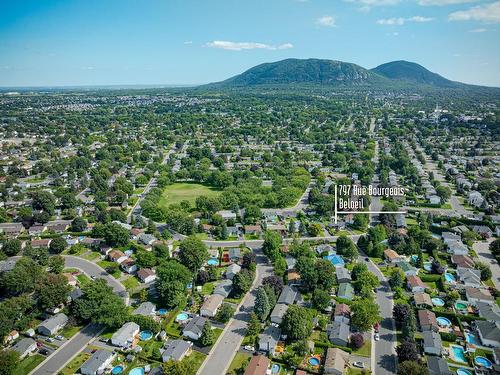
pixel 328 21
pixel 88 68
pixel 479 30
pixel 240 46
pixel 188 42
pixel 444 2
pixel 401 20
pixel 366 5
pixel 484 13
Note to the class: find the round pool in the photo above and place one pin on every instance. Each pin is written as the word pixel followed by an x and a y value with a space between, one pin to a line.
pixel 463 371
pixel 117 370
pixel 437 301
pixel 449 277
pixel 213 262
pixel 162 312
pixel 137 371
pixel 443 322
pixel 275 368
pixel 461 306
pixel 428 266
pixel 313 361
pixel 482 361
pixel 145 335
pixel 182 317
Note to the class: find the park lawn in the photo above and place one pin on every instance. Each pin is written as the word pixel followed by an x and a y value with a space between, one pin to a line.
pixel 239 360
pixel 365 350
pixel 75 364
pixel 92 256
pixel 82 279
pixel 130 283
pixel 185 191
pixel 27 364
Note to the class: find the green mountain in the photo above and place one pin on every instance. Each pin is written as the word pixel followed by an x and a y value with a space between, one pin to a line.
pixel 310 71
pixel 409 72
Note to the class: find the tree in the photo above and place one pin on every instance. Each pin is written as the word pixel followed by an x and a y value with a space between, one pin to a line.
pixel 78 224
pixel 407 350
pixel 52 291
pixel 254 326
pixel 358 269
pixel 115 234
pixel 314 229
pixel 56 264
pixel 443 192
pixel 409 326
pixel 8 361
pixel 12 247
pixel 485 270
pixel 357 340
pixel 172 367
pixel 57 245
pixel 326 274
pixel 495 247
pixel 306 267
pixel 364 314
pixel 347 248
pixel 145 259
pixel 23 278
pixel 171 281
pixel 396 278
pixel 44 200
pixel 225 313
pixel 274 282
pixel 321 299
pixel 252 214
pixel 242 282
pixel 271 245
pixel 249 258
pixel 207 335
pixel 365 283
pixel 436 267
pixel 360 222
pixel 262 307
pixel 401 312
pixel 412 368
pixel 193 253
pixel 297 323
pixel 280 265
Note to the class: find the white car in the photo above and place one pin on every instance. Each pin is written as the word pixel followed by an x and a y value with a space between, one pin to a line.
pixel 249 348
pixel 376 337
pixel 358 364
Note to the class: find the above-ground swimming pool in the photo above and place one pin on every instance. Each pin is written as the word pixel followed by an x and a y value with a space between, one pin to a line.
pixel 437 301
pixel 428 266
pixel 335 259
pixel 449 277
pixel 213 262
pixel 275 368
pixel 313 361
pixel 145 335
pixel 443 322
pixel 461 306
pixel 458 354
pixel 482 361
pixel 117 370
pixel 463 371
pixel 182 317
pixel 162 312
pixel 470 338
pixel 137 371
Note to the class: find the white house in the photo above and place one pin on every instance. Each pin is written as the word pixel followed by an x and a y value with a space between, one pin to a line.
pixel 97 363
pixel 124 337
pixel 211 305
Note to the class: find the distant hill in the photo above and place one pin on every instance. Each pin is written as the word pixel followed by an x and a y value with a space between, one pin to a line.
pixel 290 73
pixel 410 72
pixel 309 71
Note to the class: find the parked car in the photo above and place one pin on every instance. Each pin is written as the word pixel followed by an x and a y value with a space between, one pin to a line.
pixel 358 364
pixel 60 338
pixel 43 351
pixel 376 337
pixel 49 339
pixel 249 348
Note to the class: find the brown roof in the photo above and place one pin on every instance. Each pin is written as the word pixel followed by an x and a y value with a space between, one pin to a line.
pixel 342 309
pixel 478 293
pixel 415 281
pixel 463 261
pixel 252 228
pixel 391 254
pixel 422 299
pixel 44 242
pixel 427 318
pixel 336 359
pixel 144 272
pixel 116 254
pixel 258 365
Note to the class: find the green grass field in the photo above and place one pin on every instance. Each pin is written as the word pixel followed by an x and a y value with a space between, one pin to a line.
pixel 27 364
pixel 185 191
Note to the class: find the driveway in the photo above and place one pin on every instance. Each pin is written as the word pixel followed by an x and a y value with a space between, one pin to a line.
pixel 229 341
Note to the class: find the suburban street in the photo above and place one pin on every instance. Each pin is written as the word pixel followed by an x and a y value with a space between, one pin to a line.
pixel 230 340
pixel 484 254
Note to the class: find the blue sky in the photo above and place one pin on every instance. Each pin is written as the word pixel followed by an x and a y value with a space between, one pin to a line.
pixel 102 42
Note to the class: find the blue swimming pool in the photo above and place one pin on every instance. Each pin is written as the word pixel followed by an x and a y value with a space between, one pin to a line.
pixel 335 259
pixel 275 368
pixel 443 322
pixel 145 335
pixel 470 338
pixel 482 361
pixel 437 301
pixel 117 370
pixel 137 371
pixel 182 317
pixel 428 266
pixel 213 262
pixel 458 354
pixel 313 361
pixel 449 277
pixel 162 312
pixel 463 371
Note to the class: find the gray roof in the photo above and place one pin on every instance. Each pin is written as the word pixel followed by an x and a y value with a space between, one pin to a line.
pixel 23 345
pixel 93 364
pixel 175 349
pixel 7 265
pixel 489 330
pixel 342 273
pixel 288 295
pixel 125 332
pixel 432 339
pixel 269 338
pixel 488 312
pixel 54 322
pixel 224 288
pixel 279 310
pixel 468 275
pixel 345 291
pixel 145 308
pixel 233 269
pixel 234 252
pixel 438 366
pixel 338 330
pixel 195 325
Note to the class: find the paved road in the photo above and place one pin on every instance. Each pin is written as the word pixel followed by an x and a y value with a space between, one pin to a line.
pixel 219 359
pixel 384 358
pixel 482 249
pixel 66 352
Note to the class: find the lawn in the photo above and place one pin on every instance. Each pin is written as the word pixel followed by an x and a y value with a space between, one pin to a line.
pixel 70 331
pixel 208 288
pixel 75 364
pixel 105 264
pixel 365 350
pixel 194 361
pixel 82 279
pixel 130 283
pixel 185 191
pixel 239 360
pixel 27 364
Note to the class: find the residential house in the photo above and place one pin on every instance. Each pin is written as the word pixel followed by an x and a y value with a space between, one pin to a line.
pixel 415 284
pixel 146 275
pixel 422 299
pixel 462 261
pixel 407 268
pixel 269 339
pixel 234 254
pixel 290 262
pixel 475 295
pixel 227 215
pixel 342 313
pixel 457 248
pixel 335 361
pixel 224 288
pixel 483 231
pixel 345 291
pixel 343 275
pixel 194 328
pixel 117 256
pixel 489 333
pixel 288 295
pixel 129 266
pixel 393 257
pixel 438 366
pixel 258 365
pixel 338 333
pixel 24 347
pixel 488 311
pixel 176 350
pixel 432 342
pixel 37 230
pixel 232 270
pixel 98 362
pixel 125 336
pixel 278 313
pixel 427 320
pixel 211 305
pixel 469 277
pixel 146 239
pixel 39 243
pixel 146 309
pixel 475 198
pixel 13 335
pixel 253 229
pixel 53 324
